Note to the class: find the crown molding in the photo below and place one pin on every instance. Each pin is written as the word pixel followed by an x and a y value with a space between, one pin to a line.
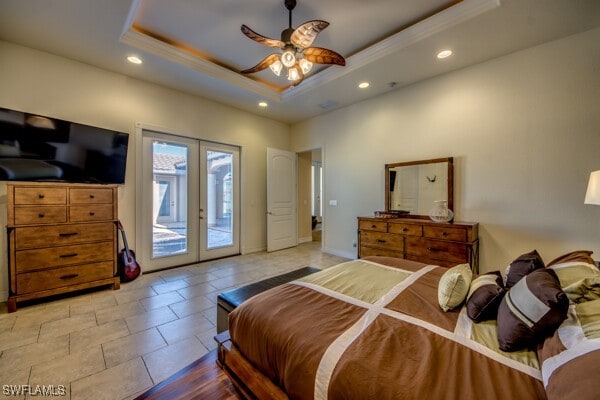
pixel 445 19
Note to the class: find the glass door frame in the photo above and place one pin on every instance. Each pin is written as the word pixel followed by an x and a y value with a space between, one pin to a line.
pixel 144 204
pixel 207 253
pixel 197 250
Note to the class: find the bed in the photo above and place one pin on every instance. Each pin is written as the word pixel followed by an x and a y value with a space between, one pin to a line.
pixel 332 335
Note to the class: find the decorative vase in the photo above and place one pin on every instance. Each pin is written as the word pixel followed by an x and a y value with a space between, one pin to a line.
pixel 440 212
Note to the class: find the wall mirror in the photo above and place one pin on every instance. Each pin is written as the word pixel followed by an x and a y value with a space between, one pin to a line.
pixel 414 186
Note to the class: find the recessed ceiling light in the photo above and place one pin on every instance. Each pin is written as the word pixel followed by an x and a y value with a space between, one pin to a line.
pixel 363 85
pixel 444 54
pixel 134 60
pixel 263 104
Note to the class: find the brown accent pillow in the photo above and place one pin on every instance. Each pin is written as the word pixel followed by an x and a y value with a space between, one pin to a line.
pixel 531 310
pixel 521 266
pixel 577 255
pixel 485 294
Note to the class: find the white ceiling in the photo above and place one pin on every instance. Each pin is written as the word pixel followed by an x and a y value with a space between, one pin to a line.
pixel 197 46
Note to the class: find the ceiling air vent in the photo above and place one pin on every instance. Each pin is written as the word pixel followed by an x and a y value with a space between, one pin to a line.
pixel 328 105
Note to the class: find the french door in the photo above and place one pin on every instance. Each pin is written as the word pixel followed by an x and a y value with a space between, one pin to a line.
pixel 219 200
pixel 188 202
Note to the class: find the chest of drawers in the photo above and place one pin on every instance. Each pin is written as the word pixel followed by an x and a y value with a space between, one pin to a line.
pixel 444 244
pixel 61 238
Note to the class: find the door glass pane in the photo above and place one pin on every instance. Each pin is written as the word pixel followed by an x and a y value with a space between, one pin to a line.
pixel 169 203
pixel 219 199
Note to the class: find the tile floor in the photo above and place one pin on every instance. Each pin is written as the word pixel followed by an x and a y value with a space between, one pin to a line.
pixel 117 344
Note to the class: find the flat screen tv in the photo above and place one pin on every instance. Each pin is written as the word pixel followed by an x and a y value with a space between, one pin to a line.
pixel 38 148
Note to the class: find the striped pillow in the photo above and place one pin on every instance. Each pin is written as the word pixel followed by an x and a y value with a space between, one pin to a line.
pixel 454 286
pixel 531 310
pixel 485 294
pixel 578 275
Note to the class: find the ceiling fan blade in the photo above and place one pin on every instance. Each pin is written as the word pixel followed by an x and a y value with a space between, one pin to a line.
pixel 323 56
pixel 268 60
pixel 260 38
pixel 305 34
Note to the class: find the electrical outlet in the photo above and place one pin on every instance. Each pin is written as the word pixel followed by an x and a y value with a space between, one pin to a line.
pixel 354 243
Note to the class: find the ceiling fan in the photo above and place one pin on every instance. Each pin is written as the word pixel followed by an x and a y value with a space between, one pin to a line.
pixel 296 55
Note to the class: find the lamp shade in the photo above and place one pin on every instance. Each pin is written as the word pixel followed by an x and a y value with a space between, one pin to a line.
pixel 592 196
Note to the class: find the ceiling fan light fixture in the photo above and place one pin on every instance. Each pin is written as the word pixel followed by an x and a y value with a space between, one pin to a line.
pixel 305 66
pixel 288 58
pixel 293 74
pixel 276 67
pixel 297 53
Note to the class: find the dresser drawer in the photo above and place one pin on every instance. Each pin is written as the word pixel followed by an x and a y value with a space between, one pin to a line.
pixel 90 195
pixel 61 277
pixel 445 232
pixel 406 229
pixel 379 239
pixel 437 249
pixel 40 215
pixel 378 226
pixel 29 260
pixel 60 235
pixel 372 251
pixel 42 195
pixel 92 212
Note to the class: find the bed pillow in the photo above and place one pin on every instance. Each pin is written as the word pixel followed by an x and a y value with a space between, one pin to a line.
pixel 485 294
pixel 531 310
pixel 578 275
pixel 521 266
pixel 454 286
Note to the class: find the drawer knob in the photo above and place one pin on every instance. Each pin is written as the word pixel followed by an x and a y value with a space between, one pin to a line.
pixel 373 226
pixel 404 229
pixel 91 196
pixel 433 249
pixel 380 241
pixel 65 234
pixel 444 233
pixel 68 255
pixel 40 196
pixel 92 213
pixel 69 276
pixel 41 215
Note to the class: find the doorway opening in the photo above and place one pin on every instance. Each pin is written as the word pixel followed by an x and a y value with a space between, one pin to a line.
pixel 310 189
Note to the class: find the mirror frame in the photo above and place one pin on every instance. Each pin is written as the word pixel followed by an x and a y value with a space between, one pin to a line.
pixel 449 160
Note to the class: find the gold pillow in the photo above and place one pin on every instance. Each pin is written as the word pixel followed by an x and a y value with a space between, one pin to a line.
pixel 454 286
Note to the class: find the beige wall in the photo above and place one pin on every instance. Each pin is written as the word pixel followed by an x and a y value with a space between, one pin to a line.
pixel 41 83
pixel 525 133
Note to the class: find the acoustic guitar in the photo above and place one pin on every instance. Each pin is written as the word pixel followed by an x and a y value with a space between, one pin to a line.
pixel 128 267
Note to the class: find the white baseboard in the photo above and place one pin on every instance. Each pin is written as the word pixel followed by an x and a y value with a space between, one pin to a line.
pixel 339 253
pixel 305 239
pixel 248 250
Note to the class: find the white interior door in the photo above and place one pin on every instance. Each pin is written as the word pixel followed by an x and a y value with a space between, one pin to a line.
pixel 281 200
pixel 219 200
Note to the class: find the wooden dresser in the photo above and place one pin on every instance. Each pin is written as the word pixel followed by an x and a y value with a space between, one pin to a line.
pixel 444 244
pixel 61 238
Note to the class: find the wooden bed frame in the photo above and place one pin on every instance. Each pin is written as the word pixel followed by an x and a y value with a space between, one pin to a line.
pixel 250 382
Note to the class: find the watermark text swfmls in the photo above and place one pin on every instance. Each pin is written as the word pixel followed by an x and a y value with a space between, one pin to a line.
pixel 34 390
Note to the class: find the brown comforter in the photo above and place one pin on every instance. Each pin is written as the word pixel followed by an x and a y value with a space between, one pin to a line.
pixel 372 329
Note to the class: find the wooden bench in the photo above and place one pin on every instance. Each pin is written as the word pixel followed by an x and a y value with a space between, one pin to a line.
pixel 228 301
